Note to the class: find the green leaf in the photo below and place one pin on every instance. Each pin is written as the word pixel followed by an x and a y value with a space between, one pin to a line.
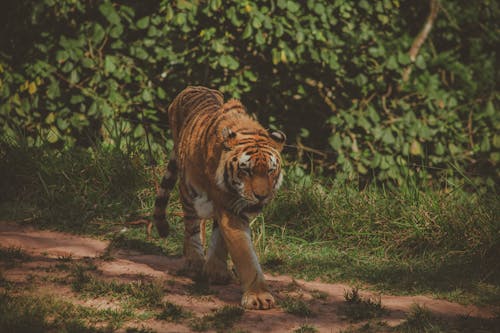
pixel 87 62
pixel 109 64
pixel 440 149
pixel 392 63
pixel 496 141
pixel 143 23
pixel 292 6
pixel 247 32
pixel 109 12
pixel 361 169
pixel 256 23
pixel 335 141
pixel 62 56
pixel 76 99
pixel 415 148
pixel 403 58
pixel 97 33
pixel 485 144
pixel 490 109
pixel 259 38
pixel 62 124
pixel 387 137
pixel 250 76
pixel 74 77
pixel 53 90
pixel 51 117
pixel 420 62
pixel 116 31
pixel 53 134
pixel 146 95
pixel 139 131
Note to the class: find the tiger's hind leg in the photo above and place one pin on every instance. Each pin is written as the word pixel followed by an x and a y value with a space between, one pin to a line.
pixel 193 248
pixel 166 186
pixel 215 268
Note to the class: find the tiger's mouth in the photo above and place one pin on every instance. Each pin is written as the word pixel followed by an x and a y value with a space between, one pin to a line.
pixel 254 209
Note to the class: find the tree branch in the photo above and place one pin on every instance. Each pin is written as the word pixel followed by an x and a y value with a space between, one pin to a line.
pixel 421 37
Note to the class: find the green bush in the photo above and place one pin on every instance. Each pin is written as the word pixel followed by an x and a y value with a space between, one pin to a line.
pixel 328 72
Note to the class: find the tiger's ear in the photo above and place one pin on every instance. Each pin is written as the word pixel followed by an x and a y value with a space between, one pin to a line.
pixel 279 137
pixel 228 138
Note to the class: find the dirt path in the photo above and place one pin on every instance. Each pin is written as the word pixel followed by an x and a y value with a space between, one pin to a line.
pixel 47 247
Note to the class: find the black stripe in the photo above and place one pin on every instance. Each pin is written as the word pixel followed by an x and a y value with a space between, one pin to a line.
pixel 172 166
pixel 215 225
pixel 210 127
pixel 161 201
pixel 160 216
pixel 168 183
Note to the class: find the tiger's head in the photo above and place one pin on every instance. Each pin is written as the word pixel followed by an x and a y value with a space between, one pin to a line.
pixel 250 168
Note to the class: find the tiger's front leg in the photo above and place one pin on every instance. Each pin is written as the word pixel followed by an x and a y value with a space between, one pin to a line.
pixel 215 268
pixel 237 235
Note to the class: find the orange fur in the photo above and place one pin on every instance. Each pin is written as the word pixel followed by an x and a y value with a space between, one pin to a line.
pixel 229 167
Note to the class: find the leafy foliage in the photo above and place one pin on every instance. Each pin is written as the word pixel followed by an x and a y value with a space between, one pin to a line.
pixel 330 73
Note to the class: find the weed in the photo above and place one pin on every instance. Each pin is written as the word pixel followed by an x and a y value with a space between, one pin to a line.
pixel 172 312
pixel 139 330
pixel 296 307
pixel 200 286
pixel 12 256
pixel 222 319
pixel 318 294
pixel 42 314
pixel 420 319
pixel 65 258
pixel 306 328
pixel 138 293
pixel 371 327
pixel 355 308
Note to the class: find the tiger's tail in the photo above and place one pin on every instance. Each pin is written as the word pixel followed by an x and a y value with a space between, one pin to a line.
pixel 166 186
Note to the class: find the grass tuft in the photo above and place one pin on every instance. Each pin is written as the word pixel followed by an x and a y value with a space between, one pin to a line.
pixel 45 314
pixel 306 328
pixel 12 256
pixel 296 307
pixel 222 319
pixel 172 312
pixel 355 308
pixel 139 293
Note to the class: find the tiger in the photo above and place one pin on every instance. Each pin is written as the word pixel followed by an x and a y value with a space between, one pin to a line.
pixel 229 168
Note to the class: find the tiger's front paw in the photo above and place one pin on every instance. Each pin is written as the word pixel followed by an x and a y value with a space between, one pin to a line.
pixel 257 300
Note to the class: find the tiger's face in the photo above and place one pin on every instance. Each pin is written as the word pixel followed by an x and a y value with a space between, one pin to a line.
pixel 252 171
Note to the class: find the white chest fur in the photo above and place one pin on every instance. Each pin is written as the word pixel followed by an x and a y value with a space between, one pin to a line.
pixel 204 207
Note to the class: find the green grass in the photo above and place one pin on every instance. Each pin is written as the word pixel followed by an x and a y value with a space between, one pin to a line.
pixel 306 328
pixel 138 293
pixel 45 314
pixel 296 307
pixel 355 308
pixel 172 312
pixel 12 256
pixel 222 319
pixel 76 191
pixel 421 320
pixel 406 240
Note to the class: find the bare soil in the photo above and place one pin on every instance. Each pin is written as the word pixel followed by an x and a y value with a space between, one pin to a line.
pixel 48 247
